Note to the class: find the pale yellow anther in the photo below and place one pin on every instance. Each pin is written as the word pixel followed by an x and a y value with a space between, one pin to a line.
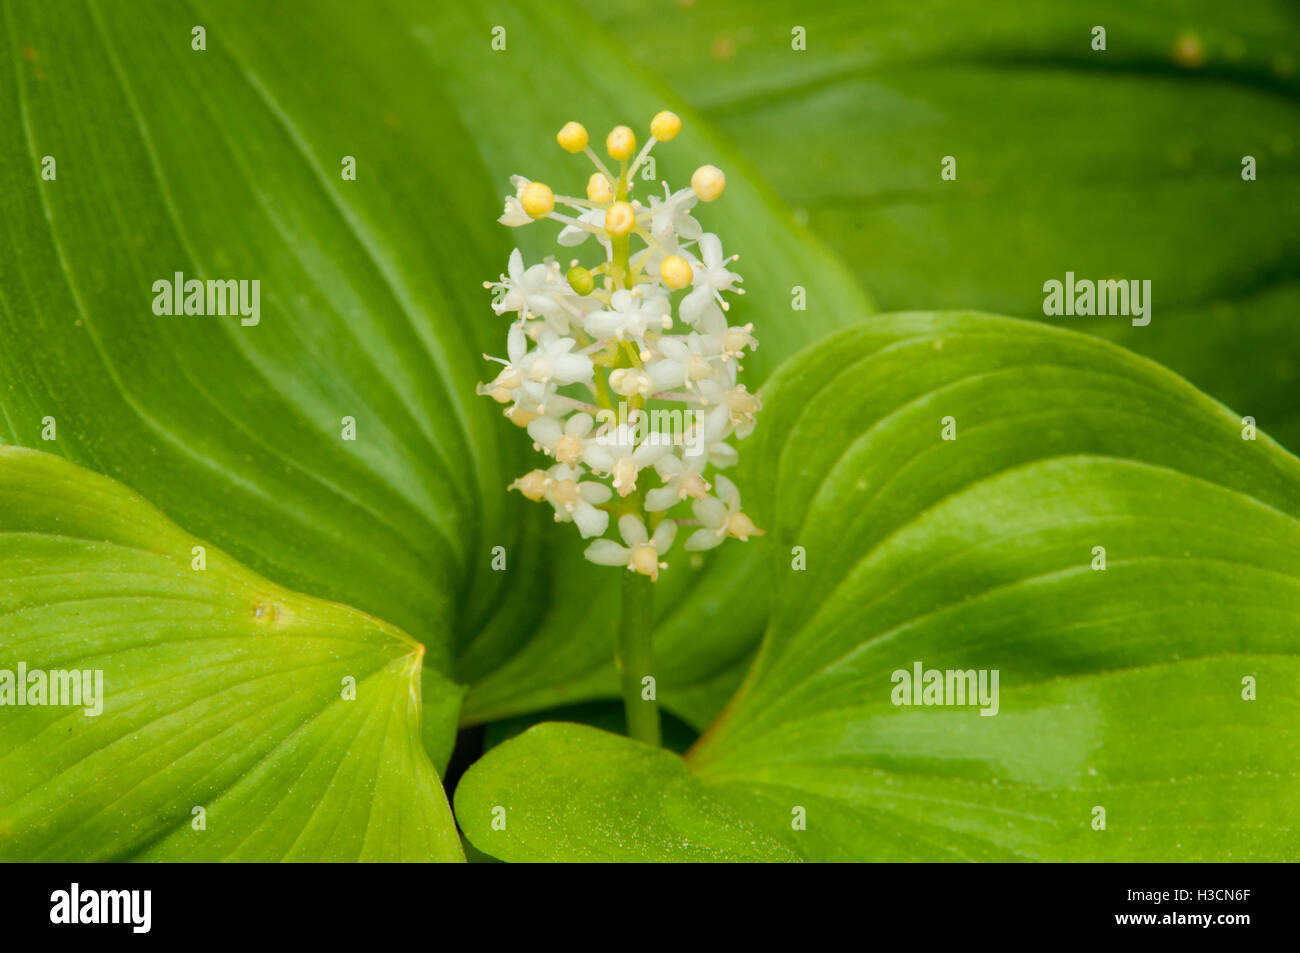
pixel 698 367
pixel 599 189
pixel 742 527
pixel 737 339
pixel 573 137
pixel 620 143
pixel 741 403
pixel 708 182
pixel 531 484
pixel 676 272
pixel 630 381
pixel 537 199
pixel 645 560
pixel 624 476
pixel 568 449
pixel 665 125
pixel 620 219
pixel 565 493
pixel 694 486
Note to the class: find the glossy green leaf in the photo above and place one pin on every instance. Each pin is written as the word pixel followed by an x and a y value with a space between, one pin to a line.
pixel 1125 162
pixel 570 792
pixel 226 163
pixel 230 719
pixel 1160 688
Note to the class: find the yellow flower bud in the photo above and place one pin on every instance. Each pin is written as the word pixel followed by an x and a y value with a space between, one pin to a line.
pixel 708 182
pixel 620 143
pixel 599 189
pixel 538 200
pixel 665 126
pixel 676 272
pixel 573 137
pixel 620 219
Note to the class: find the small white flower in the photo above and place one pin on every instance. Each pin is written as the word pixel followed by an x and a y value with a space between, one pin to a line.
pixel 532 378
pixel 682 478
pixel 642 552
pixel 711 279
pixel 630 315
pixel 709 439
pixel 528 290
pixel 563 441
pixel 720 517
pixel 576 500
pixel 618 454
pixel 741 406
pixel 684 361
pixel 552 361
pixel 671 217
pixel 736 340
pixel 514 214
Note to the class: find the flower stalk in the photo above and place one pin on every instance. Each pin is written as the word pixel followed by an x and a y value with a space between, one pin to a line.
pixel 636 659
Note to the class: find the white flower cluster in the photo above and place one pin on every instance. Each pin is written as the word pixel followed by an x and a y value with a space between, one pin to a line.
pixel 611 377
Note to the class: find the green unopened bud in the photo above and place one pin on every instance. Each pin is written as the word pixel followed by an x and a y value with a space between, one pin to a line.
pixel 580 280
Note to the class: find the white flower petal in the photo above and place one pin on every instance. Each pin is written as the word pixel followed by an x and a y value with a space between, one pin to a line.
pixel 632 530
pixel 579 425
pixel 664 535
pixel 727 492
pixel 606 552
pixel 661 498
pixel 598 457
pixel 710 512
pixel 514 215
pixel 703 539
pixel 710 246
pixel 696 303
pixel 590 521
pixel 545 430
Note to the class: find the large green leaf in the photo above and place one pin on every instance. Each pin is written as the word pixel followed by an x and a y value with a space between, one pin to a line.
pixel 226 163
pixel 1120 688
pixel 293 723
pixel 1125 162
pixel 602 798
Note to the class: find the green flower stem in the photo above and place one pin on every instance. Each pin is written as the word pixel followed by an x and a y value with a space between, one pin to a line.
pixel 619 267
pixel 636 657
